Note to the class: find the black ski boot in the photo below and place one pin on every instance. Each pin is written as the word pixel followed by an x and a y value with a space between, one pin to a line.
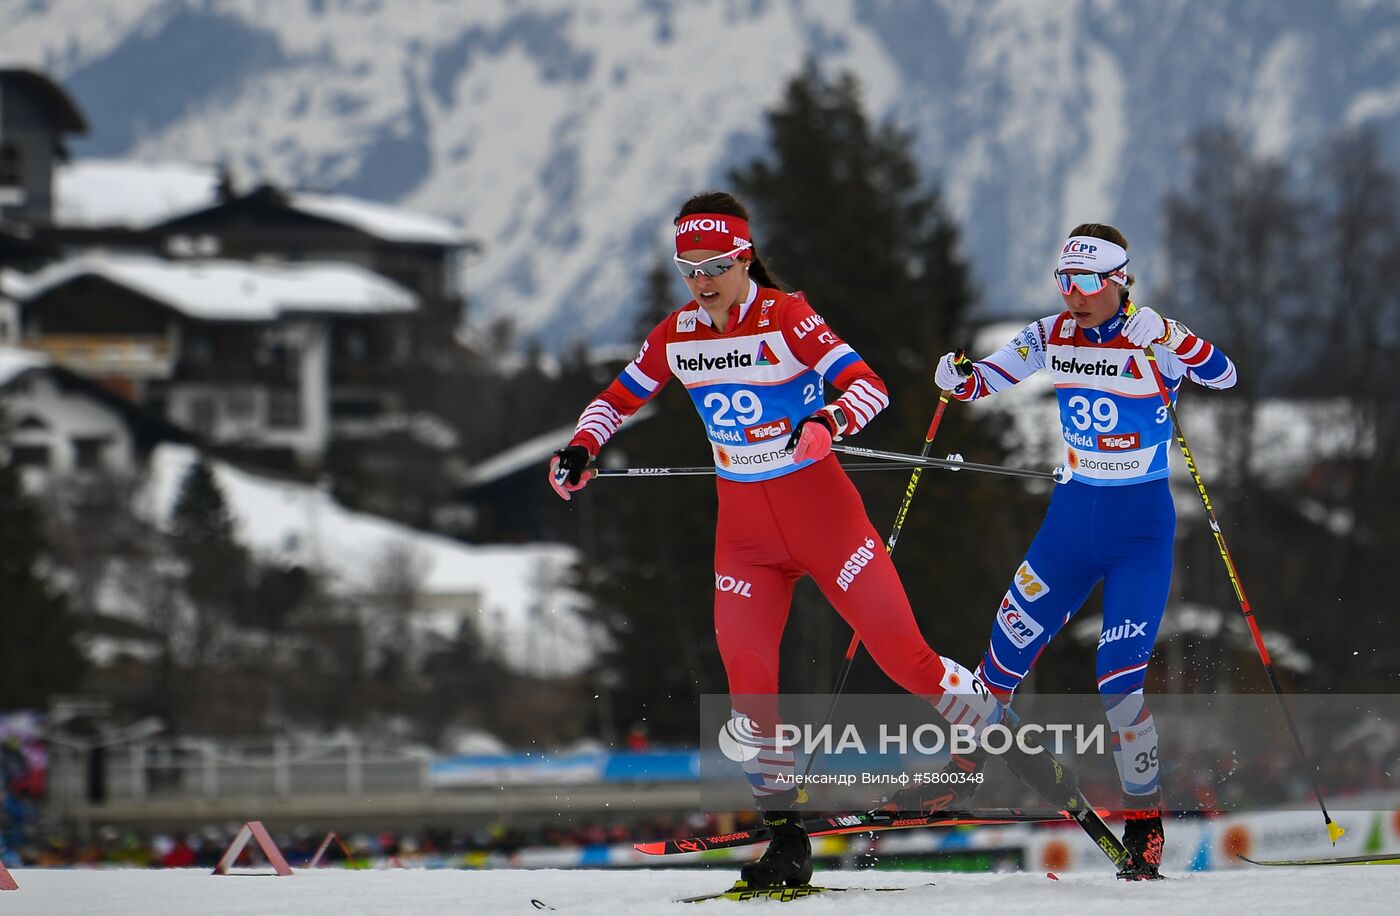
pixel 788 859
pixel 1144 838
pixel 955 792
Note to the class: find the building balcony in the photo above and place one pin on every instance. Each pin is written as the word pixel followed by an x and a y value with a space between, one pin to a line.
pixel 107 355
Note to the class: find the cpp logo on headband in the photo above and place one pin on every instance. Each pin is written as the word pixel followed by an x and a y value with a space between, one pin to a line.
pixel 1074 247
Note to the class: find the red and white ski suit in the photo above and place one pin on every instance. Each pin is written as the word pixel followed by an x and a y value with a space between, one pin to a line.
pixel 779 520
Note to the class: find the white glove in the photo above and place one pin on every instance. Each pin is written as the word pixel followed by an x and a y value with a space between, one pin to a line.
pixel 947 375
pixel 1145 327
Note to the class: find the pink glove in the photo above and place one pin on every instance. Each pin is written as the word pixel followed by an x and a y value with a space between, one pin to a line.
pixel 568 470
pixel 813 440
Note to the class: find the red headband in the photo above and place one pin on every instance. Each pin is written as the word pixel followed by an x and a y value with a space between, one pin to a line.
pixel 713 232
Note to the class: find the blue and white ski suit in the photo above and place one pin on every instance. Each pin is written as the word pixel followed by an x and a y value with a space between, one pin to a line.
pixel 1114 521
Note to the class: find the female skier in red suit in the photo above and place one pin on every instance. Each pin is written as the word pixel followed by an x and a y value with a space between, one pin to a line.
pixel 754 360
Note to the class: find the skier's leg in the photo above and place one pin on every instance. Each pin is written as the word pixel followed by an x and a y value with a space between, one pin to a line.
pixel 1059 570
pixel 753 594
pixel 837 545
pixel 1049 586
pixel 749 620
pixel 874 603
pixel 835 542
pixel 1134 598
pixel 1135 595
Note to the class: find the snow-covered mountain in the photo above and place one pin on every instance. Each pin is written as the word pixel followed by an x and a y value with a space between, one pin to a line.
pixel 563 133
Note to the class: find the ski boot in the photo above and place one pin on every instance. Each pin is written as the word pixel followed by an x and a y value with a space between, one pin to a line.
pixel 788 859
pixel 1143 837
pixel 962 783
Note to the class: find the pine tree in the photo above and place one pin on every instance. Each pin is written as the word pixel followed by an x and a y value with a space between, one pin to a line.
pixel 218 580
pixel 39 656
pixel 1355 274
pixel 1299 283
pixel 201 517
pixel 1234 240
pixel 842 212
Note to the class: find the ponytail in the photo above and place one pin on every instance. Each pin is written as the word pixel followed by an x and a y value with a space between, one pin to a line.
pixel 759 271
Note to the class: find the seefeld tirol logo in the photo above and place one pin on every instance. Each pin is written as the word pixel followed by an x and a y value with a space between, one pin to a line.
pixel 739 739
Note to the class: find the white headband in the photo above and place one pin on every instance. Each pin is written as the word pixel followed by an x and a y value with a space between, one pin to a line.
pixel 1098 255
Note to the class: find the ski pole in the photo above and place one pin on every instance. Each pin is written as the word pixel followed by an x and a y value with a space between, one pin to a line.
pixel 1334 830
pixel 1061 474
pixel 965 366
pixel 889 461
pixel 710 471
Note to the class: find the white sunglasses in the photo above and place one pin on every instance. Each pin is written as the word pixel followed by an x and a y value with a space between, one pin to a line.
pixel 710 267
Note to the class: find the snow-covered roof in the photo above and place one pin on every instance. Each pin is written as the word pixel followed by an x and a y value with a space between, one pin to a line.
pixel 532 452
pixel 102 193
pixel 535 451
pixel 522 608
pixel 216 290
pixel 15 361
pixel 379 220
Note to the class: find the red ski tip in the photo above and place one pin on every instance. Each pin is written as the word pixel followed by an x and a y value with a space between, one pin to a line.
pixel 651 849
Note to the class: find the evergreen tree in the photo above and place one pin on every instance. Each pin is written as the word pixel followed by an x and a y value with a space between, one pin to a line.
pixel 1235 248
pixel 842 213
pixel 1356 301
pixel 39 656
pixel 217 581
pixel 1235 268
pixel 201 518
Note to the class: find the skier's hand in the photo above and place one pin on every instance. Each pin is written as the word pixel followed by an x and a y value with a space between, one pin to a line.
pixel 952 370
pixel 568 470
pixel 811 440
pixel 1145 327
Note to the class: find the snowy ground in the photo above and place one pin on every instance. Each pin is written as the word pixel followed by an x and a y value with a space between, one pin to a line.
pixel 335 892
